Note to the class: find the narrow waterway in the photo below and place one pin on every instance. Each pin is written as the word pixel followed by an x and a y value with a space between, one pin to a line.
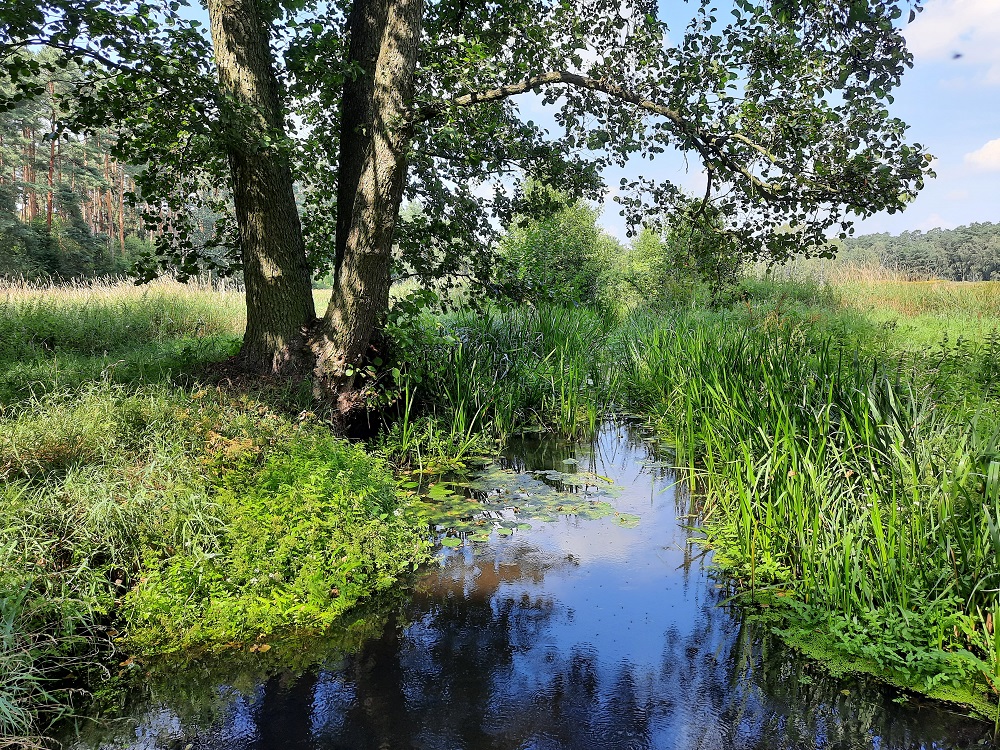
pixel 577 632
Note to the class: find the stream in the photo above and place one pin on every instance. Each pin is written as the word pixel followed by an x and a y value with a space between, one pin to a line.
pixel 599 629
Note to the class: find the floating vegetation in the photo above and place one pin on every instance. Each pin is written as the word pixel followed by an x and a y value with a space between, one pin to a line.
pixel 628 520
pixel 497 500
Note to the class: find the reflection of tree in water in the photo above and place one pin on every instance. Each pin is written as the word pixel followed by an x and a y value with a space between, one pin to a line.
pixel 174 698
pixel 485 672
pixel 486 654
pixel 482 674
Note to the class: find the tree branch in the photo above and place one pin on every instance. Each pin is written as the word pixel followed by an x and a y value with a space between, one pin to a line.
pixel 709 145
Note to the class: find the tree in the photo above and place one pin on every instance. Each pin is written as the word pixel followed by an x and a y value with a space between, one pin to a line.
pixel 782 101
pixel 557 258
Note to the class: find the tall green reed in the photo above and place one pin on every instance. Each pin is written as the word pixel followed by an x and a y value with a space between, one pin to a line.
pixel 828 474
pixel 507 370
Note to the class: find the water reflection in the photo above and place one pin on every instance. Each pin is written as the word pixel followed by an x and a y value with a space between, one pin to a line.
pixel 575 634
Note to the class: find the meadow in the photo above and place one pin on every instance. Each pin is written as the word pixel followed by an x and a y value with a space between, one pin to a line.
pixel 147 510
pixel 841 440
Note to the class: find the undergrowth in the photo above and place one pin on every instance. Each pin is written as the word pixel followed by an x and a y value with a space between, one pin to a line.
pixel 145 513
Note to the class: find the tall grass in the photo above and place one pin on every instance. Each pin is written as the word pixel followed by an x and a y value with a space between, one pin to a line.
pixel 127 487
pixel 507 370
pixel 925 311
pixel 106 315
pixel 58 337
pixel 836 478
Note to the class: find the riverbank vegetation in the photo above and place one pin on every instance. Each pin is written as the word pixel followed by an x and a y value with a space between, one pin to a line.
pixel 841 442
pixel 147 512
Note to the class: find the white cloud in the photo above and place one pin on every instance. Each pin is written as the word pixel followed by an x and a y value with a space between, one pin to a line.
pixel 987 158
pixel 969 28
pixel 935 221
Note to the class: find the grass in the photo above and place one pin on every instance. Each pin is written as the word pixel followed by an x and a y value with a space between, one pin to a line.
pixel 468 380
pixel 147 512
pixel 837 482
pixel 845 442
pixel 62 337
pixel 843 439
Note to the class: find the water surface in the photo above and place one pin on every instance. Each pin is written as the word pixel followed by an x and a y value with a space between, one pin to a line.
pixel 575 633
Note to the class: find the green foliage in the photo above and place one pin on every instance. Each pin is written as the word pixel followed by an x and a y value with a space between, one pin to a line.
pixel 847 481
pixel 504 370
pixel 127 498
pixel 298 541
pixel 800 128
pixel 555 259
pixel 54 338
pixel 89 229
pixel 89 477
pixel 564 257
pixel 694 263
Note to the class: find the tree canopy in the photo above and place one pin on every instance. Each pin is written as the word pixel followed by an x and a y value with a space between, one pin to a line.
pixel 370 104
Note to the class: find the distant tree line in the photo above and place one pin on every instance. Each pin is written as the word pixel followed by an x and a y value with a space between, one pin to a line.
pixel 968 253
pixel 66 200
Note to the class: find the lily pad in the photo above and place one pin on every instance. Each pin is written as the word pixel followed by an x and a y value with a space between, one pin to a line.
pixel 595 510
pixel 627 520
pixel 451 541
pixel 507 498
pixel 440 491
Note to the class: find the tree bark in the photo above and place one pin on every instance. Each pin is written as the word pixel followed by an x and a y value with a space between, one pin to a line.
pixel 375 138
pixel 52 159
pixel 121 210
pixel 278 290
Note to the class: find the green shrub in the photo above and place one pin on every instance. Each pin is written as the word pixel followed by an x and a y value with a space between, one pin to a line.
pixel 557 258
pixel 299 538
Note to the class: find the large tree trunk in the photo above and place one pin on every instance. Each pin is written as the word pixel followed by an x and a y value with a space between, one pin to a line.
pixel 375 138
pixel 279 294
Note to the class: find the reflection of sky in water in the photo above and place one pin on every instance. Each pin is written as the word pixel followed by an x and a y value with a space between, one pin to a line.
pixel 332 696
pixel 575 634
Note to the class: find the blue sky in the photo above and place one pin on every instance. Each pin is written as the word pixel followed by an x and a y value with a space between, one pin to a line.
pixel 952 105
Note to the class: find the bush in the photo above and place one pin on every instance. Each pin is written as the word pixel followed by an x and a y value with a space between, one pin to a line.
pixel 296 539
pixel 555 259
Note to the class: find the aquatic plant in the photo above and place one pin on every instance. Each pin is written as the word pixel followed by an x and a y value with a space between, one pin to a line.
pixel 836 479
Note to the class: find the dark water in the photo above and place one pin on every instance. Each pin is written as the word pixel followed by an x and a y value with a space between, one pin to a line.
pixel 573 634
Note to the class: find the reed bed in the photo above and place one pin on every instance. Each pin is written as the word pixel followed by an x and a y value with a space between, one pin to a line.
pixel 834 271
pixel 502 371
pixel 837 484
pixel 847 482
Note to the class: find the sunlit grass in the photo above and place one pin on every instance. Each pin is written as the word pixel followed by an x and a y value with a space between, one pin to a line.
pixel 127 481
